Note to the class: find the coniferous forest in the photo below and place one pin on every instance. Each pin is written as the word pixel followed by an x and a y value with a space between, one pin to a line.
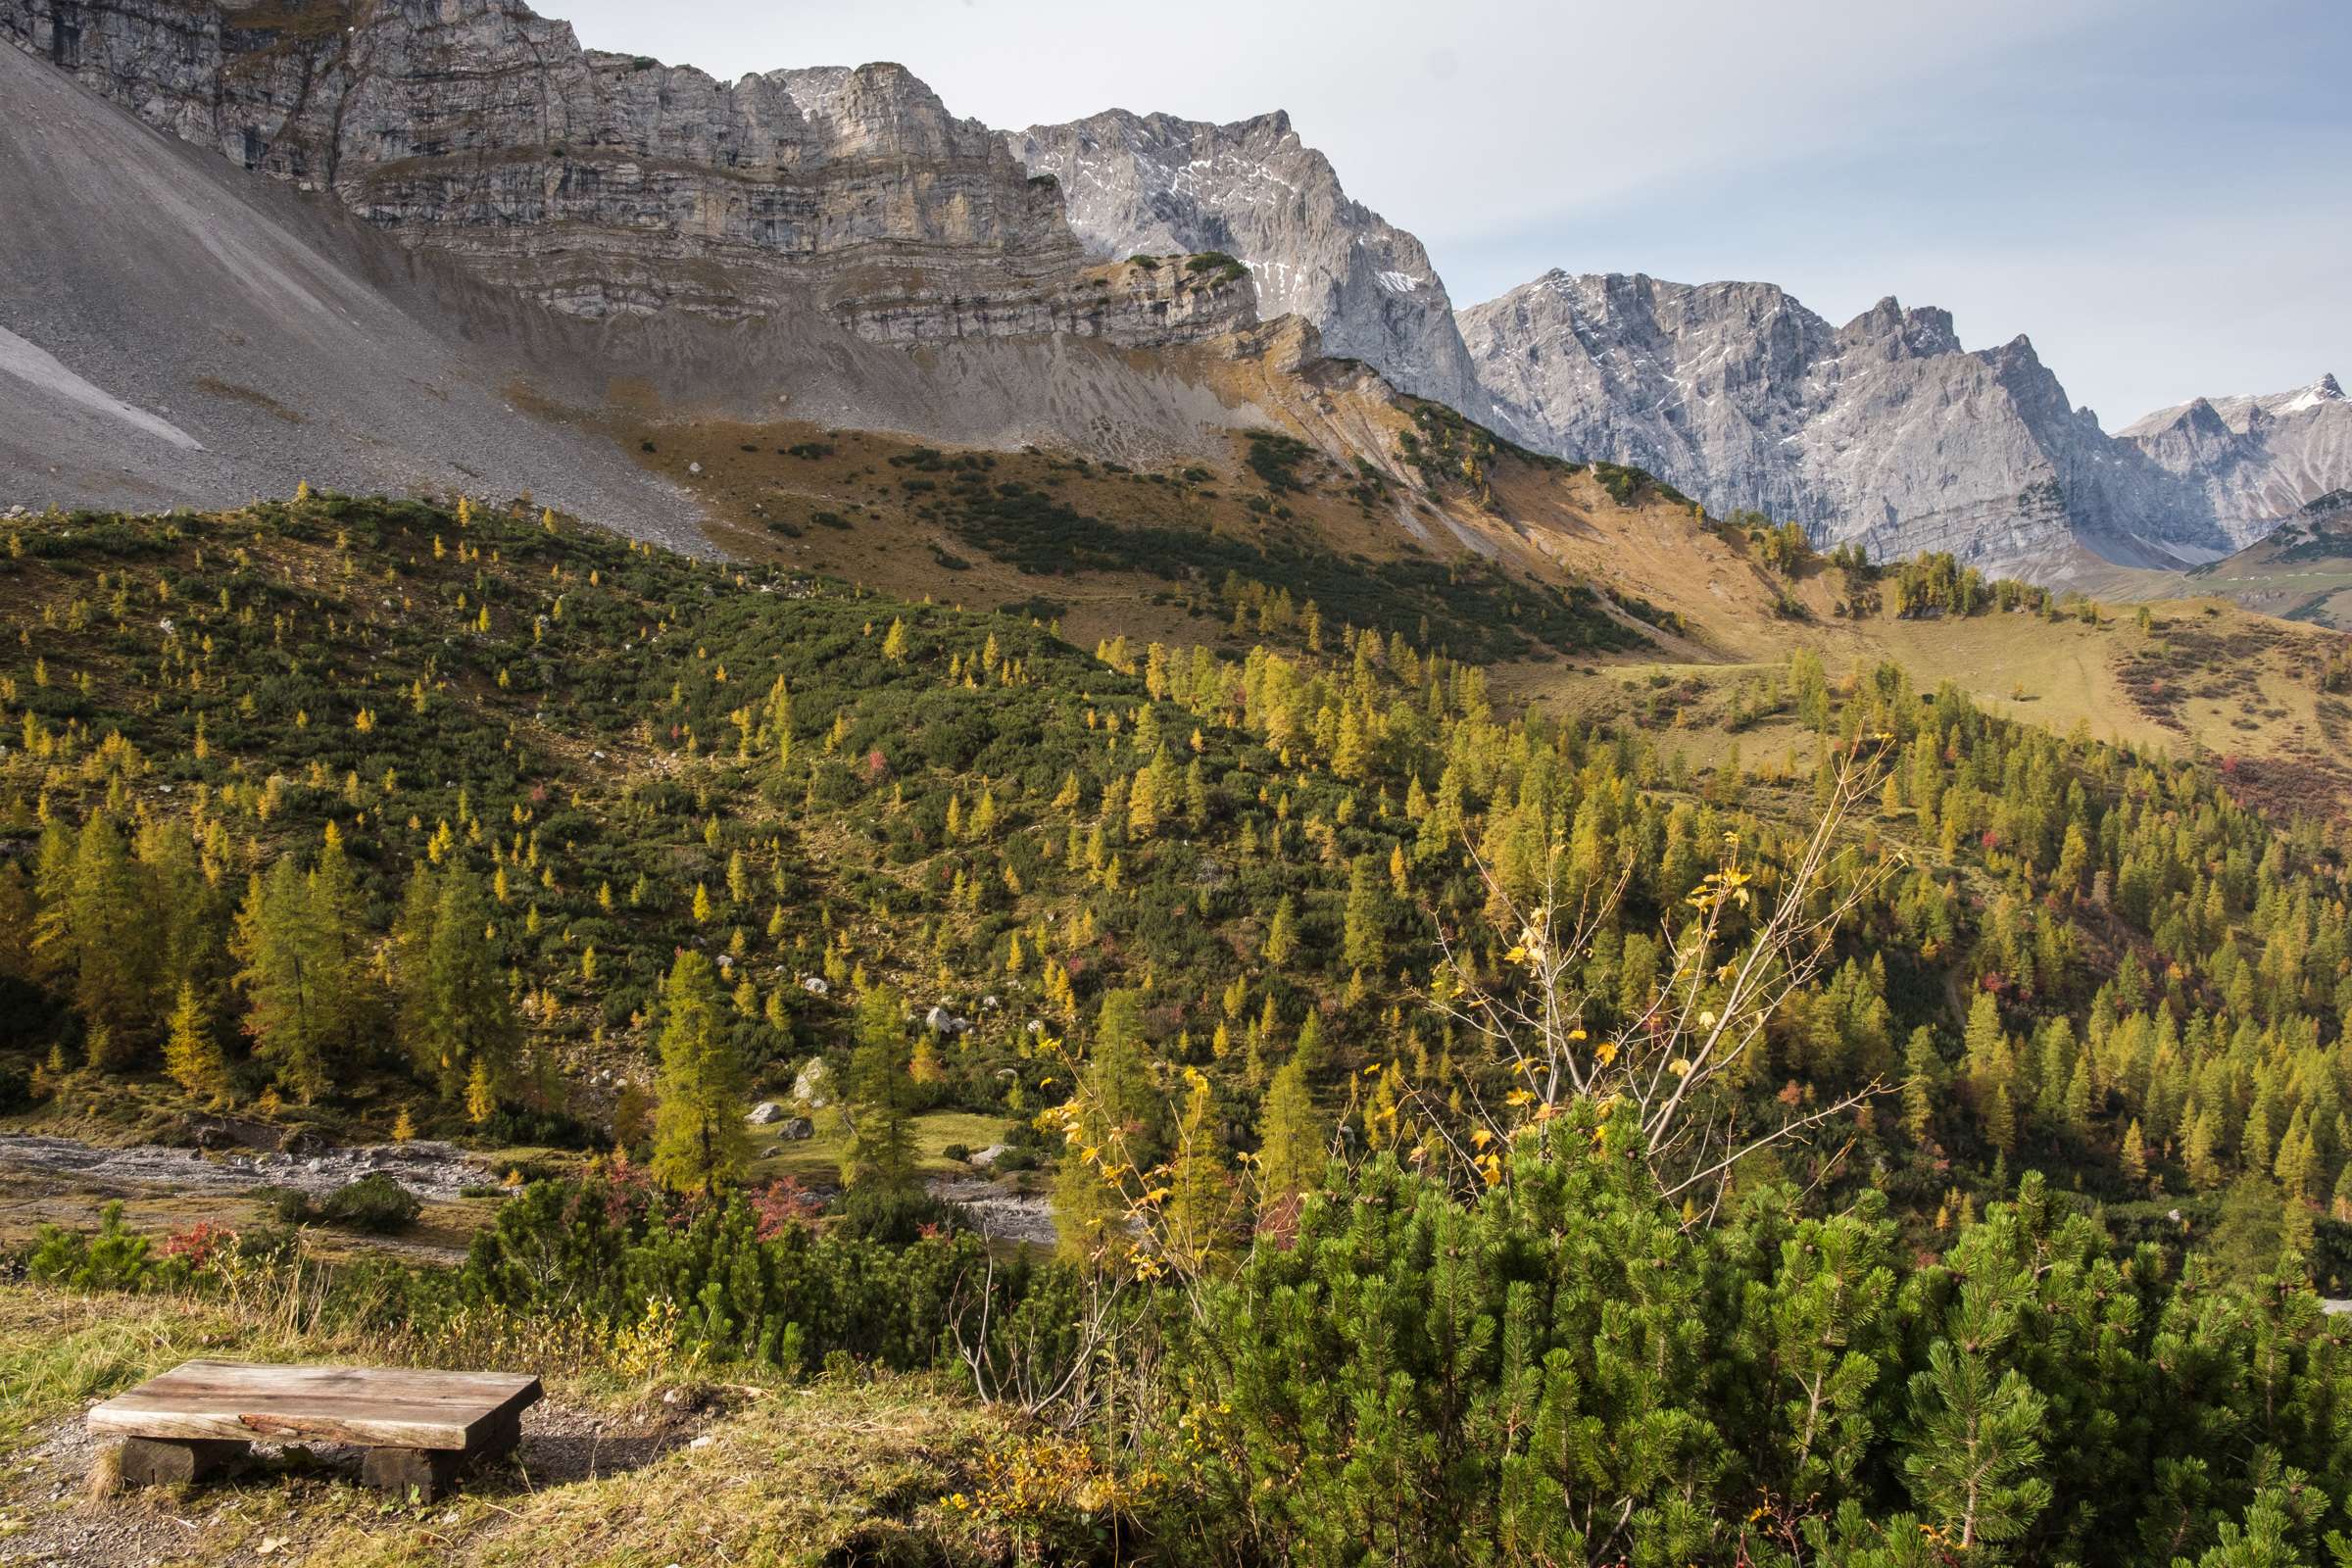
pixel 1469 1135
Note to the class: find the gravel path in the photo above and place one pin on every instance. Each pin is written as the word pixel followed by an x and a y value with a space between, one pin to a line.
pixel 437 1173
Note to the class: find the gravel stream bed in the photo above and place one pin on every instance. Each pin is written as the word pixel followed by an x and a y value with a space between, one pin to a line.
pixel 435 1172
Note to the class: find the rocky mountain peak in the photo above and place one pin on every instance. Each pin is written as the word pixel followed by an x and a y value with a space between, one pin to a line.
pixel 1888 429
pixel 880 110
pixel 614 188
pixel 2200 417
pixel 1928 330
pixel 2253 461
pixel 1888 328
pixel 1154 183
pixel 1885 430
pixel 2324 390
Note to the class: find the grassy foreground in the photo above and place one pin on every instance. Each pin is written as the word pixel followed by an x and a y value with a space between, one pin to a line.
pixel 848 1470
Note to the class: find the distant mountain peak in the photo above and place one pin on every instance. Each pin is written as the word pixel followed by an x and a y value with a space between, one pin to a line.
pixel 2254 460
pixel 2324 390
pixel 1888 431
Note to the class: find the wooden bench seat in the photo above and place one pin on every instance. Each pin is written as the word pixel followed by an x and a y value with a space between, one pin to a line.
pixel 419 1428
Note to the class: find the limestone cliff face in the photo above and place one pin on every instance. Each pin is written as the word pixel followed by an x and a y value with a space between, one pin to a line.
pixel 606 185
pixel 1885 430
pixel 2257 461
pixel 1154 183
pixel 175 332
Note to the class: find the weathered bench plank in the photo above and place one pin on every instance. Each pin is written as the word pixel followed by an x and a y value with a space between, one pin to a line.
pixel 375 1407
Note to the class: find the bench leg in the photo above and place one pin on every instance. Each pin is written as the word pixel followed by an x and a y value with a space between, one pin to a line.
pixel 500 1440
pixel 180 1461
pixel 428 1472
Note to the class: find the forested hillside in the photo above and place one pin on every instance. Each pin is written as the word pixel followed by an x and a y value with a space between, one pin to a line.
pixel 384 817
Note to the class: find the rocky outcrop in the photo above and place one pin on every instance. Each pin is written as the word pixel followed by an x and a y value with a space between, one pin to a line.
pixel 175 332
pixel 606 185
pixel 1153 183
pixel 2256 461
pixel 1885 431
pixel 1153 302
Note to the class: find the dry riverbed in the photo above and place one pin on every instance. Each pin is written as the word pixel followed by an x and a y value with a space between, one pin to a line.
pixel 52 1180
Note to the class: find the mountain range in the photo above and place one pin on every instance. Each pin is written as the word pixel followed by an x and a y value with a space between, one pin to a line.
pixel 1886 430
pixel 601 229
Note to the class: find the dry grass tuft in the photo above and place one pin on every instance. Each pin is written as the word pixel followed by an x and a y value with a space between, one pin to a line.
pixel 105 1474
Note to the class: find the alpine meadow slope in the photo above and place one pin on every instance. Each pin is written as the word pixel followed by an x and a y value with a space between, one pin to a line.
pixel 596 842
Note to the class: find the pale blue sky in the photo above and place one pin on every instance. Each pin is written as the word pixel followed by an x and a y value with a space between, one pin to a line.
pixel 2158 192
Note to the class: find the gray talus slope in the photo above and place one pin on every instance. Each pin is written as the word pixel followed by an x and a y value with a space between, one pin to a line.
pixel 179 330
pixel 1154 183
pixel 174 331
pixel 2257 461
pixel 1885 430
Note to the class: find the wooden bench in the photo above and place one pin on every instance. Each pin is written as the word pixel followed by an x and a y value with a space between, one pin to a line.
pixel 419 1428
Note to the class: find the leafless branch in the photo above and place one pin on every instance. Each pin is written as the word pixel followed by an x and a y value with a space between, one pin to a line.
pixel 1752 936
